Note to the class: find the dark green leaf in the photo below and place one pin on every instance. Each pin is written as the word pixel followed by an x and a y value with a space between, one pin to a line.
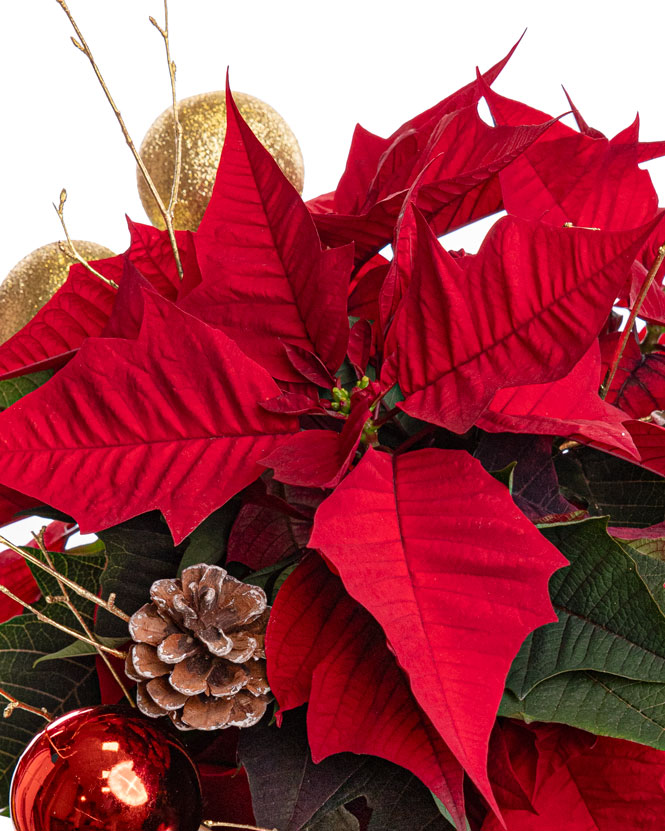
pixel 78 648
pixel 288 789
pixel 506 475
pixel 608 619
pixel 338 820
pixel 290 792
pixel 13 389
pixel 536 487
pixel 603 704
pixel 207 543
pixel 138 553
pixel 630 495
pixel 393 397
pixel 444 811
pixel 650 567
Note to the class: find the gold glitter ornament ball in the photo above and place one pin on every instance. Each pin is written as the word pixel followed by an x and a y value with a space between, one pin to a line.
pixel 203 119
pixel 35 280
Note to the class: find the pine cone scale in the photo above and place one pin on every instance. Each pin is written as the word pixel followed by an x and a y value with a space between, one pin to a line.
pixel 191 675
pixel 146 662
pixel 164 695
pixel 177 647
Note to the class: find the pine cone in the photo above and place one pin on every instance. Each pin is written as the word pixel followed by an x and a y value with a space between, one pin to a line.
pixel 199 654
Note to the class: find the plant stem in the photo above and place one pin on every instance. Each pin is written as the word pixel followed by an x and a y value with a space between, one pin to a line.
pixel 44 619
pixel 15 704
pixel 82 46
pixel 79 617
pixel 71 248
pixel 107 605
pixel 637 305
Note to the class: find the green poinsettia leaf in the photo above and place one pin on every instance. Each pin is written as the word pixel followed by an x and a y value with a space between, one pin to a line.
pixel 506 475
pixel 338 820
pixel 12 389
pixel 138 552
pixel 630 495
pixel 445 813
pixel 609 621
pixel 290 792
pixel 208 542
pixel 77 649
pixel 606 705
pixel 650 566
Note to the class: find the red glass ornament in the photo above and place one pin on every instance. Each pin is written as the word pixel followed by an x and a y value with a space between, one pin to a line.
pixel 103 768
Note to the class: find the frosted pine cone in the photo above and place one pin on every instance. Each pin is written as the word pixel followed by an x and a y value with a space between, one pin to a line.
pixel 199 654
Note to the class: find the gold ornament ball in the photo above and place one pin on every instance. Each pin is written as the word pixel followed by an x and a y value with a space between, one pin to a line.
pixel 35 280
pixel 203 120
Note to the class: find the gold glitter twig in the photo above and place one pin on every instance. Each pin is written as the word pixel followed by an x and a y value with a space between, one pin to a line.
pixel 108 605
pixel 176 119
pixel 44 619
pixel 637 305
pixel 70 248
pixel 15 704
pixel 39 538
pixel 82 46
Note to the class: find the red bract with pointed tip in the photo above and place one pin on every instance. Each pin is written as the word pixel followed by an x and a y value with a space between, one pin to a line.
pixel 569 407
pixel 324 648
pixel 266 282
pixel 411 538
pixel 552 290
pixel 576 177
pixel 129 426
pixel 81 308
pixel 379 172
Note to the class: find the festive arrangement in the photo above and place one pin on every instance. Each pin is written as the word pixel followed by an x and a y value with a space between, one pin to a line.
pixel 380 531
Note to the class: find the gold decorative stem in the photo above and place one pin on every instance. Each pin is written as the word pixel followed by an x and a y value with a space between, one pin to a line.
pixel 71 248
pixel 79 617
pixel 15 704
pixel 74 634
pixel 104 604
pixel 82 46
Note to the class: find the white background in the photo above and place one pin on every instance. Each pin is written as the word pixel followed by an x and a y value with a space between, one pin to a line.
pixel 323 65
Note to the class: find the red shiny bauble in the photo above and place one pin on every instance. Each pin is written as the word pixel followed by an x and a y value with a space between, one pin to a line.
pixel 105 769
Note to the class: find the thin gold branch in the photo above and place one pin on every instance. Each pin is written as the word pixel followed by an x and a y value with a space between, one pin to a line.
pixel 637 305
pixel 44 619
pixel 81 45
pixel 108 605
pixel 70 248
pixel 39 538
pixel 176 119
pixel 15 704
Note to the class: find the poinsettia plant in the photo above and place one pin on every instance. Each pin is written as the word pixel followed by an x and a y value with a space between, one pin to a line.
pixel 445 469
